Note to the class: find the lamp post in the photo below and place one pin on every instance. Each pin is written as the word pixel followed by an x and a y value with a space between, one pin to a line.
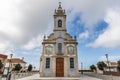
pixel 34 67
pixel 81 68
pixel 10 67
pixel 107 61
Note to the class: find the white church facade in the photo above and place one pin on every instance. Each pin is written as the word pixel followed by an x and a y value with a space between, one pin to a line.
pixel 59 55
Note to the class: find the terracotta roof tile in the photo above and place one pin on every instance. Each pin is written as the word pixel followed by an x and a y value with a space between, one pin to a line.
pixel 16 60
pixel 113 63
pixel 3 56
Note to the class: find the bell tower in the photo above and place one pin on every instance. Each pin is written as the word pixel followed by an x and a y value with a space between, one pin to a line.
pixel 59 19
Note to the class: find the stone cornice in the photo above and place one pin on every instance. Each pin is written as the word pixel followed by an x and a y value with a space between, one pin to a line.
pixel 48 42
pixel 65 39
pixel 60 29
pixel 71 42
pixel 55 15
pixel 59 56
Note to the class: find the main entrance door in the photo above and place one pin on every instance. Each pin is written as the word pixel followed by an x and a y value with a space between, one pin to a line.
pixel 59 67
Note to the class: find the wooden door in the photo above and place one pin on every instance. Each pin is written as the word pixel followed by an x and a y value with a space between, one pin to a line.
pixel 59 67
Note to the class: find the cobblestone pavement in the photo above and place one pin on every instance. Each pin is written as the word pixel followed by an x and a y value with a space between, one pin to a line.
pixel 36 77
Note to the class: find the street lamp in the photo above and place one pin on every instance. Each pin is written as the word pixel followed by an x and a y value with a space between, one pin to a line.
pixel 81 68
pixel 107 61
pixel 34 67
pixel 10 65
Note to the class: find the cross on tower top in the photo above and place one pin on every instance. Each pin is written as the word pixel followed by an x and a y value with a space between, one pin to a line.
pixel 59 3
pixel 59 6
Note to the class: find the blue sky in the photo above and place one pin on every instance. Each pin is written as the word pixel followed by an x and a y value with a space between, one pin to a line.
pixel 23 23
pixel 90 55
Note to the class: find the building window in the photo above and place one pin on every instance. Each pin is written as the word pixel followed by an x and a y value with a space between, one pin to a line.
pixel 59 23
pixel 59 47
pixel 47 62
pixel 71 62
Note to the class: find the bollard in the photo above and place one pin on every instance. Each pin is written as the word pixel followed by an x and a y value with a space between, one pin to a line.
pixel 9 76
pixel 0 77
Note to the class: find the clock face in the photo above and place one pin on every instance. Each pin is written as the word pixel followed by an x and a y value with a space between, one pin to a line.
pixel 70 50
pixel 49 50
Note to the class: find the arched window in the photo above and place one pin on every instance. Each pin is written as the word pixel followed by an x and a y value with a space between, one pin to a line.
pixel 59 23
pixel 59 47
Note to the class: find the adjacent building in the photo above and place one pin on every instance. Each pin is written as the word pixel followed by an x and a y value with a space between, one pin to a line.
pixel 111 67
pixel 14 61
pixel 3 59
pixel 59 56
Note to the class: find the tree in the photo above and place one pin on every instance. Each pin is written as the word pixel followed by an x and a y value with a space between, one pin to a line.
pixel 118 67
pixel 101 65
pixel 93 67
pixel 30 67
pixel 18 67
pixel 1 64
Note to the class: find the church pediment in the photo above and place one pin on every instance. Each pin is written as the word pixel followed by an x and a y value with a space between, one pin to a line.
pixel 65 37
pixel 51 37
pixel 59 38
pixel 68 37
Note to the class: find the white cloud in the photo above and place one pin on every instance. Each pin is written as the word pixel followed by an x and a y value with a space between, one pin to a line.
pixel 24 22
pixel 110 37
pixel 34 43
pixel 84 34
pixel 92 11
pixel 4 46
pixel 21 21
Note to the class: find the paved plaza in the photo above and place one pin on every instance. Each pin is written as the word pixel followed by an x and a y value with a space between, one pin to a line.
pixel 36 77
pixel 86 76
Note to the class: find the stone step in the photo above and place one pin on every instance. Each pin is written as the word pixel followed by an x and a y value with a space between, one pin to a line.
pixel 37 77
pixel 58 78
